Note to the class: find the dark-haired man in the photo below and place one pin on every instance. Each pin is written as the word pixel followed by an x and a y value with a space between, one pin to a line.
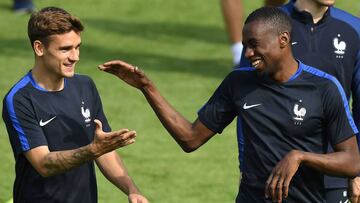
pixel 290 112
pixel 56 123
pixel 327 38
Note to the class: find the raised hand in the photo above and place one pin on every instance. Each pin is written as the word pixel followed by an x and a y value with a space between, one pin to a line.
pixel 277 185
pixel 108 141
pixel 126 72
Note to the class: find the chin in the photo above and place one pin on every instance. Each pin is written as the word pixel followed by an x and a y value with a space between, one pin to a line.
pixel 69 74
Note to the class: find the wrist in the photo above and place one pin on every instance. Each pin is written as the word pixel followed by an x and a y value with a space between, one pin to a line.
pixel 147 88
pixel 299 156
pixel 93 150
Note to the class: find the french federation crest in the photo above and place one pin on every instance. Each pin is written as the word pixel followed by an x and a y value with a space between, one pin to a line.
pixel 340 47
pixel 299 113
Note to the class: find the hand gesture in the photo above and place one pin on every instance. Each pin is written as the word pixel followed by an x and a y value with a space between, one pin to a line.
pixel 277 185
pixel 354 190
pixel 137 198
pixel 108 141
pixel 126 72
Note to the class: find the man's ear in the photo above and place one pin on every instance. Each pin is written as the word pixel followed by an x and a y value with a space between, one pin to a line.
pixel 38 48
pixel 284 39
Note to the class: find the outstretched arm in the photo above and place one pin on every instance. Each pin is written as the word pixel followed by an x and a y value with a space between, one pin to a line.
pixel 114 170
pixel 188 135
pixel 51 163
pixel 345 161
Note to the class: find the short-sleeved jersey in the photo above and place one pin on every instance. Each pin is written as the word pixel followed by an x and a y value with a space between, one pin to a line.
pixel 305 113
pixel 61 120
pixel 331 45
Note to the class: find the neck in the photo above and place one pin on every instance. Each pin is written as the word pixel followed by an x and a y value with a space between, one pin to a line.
pixel 287 69
pixel 46 79
pixel 315 9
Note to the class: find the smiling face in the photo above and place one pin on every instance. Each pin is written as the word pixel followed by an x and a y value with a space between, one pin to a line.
pixel 263 48
pixel 60 54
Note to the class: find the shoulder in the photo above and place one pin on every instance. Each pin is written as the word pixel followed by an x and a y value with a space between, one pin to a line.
pixel 323 81
pixel 346 18
pixel 19 90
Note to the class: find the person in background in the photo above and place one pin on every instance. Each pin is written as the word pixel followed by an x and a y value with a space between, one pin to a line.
pixel 23 6
pixel 233 12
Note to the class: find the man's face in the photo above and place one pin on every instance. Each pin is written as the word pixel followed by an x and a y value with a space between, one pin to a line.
pixel 61 54
pixel 262 46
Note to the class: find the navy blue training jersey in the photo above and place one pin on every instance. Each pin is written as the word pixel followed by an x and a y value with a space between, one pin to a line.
pixel 331 45
pixel 61 120
pixel 305 113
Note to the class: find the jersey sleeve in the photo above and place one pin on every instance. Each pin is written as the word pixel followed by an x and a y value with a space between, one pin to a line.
pixel 338 120
pixel 99 112
pixel 219 111
pixel 355 90
pixel 23 128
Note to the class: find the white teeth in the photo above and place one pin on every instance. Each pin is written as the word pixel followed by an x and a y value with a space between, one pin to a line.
pixel 255 63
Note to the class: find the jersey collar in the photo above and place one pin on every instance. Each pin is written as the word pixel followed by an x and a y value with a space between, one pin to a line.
pixel 304 16
pixel 34 84
pixel 298 71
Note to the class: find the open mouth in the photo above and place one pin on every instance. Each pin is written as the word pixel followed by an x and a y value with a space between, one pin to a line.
pixel 255 63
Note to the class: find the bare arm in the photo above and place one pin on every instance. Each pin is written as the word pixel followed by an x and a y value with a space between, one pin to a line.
pixel 51 163
pixel 345 161
pixel 188 135
pixel 114 170
pixel 232 11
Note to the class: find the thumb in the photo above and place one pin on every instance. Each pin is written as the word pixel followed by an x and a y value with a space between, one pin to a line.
pixel 98 125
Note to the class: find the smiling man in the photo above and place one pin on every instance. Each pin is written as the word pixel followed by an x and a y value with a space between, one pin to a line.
pixel 56 123
pixel 290 112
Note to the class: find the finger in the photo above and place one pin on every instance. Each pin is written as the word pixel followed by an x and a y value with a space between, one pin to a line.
pixel 122 134
pixel 98 125
pixel 279 188
pixel 267 186
pixel 273 186
pixel 139 71
pixel 117 63
pixel 286 185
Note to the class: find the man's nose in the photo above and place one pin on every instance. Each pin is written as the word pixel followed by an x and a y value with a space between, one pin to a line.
pixel 249 52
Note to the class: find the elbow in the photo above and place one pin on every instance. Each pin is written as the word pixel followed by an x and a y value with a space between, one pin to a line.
pixel 188 146
pixel 43 172
pixel 188 149
pixel 354 170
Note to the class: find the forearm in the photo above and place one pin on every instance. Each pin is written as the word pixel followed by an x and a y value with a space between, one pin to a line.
pixel 178 126
pixel 343 163
pixel 114 170
pixel 60 161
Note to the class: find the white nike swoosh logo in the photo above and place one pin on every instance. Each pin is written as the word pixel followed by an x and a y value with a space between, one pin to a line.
pixel 293 43
pixel 46 122
pixel 250 106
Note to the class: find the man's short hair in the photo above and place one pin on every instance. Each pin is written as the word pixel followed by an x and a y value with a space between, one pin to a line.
pixel 51 21
pixel 272 16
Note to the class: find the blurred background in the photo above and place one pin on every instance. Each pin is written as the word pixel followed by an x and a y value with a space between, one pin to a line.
pixel 183 47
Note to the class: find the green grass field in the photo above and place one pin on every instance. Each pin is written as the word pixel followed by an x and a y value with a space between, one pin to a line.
pixel 183 47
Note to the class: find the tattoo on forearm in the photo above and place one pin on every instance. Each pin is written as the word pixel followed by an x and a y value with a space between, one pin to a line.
pixel 59 162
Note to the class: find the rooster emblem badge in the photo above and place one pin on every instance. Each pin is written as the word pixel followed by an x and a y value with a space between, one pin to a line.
pixel 85 113
pixel 340 46
pixel 299 114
